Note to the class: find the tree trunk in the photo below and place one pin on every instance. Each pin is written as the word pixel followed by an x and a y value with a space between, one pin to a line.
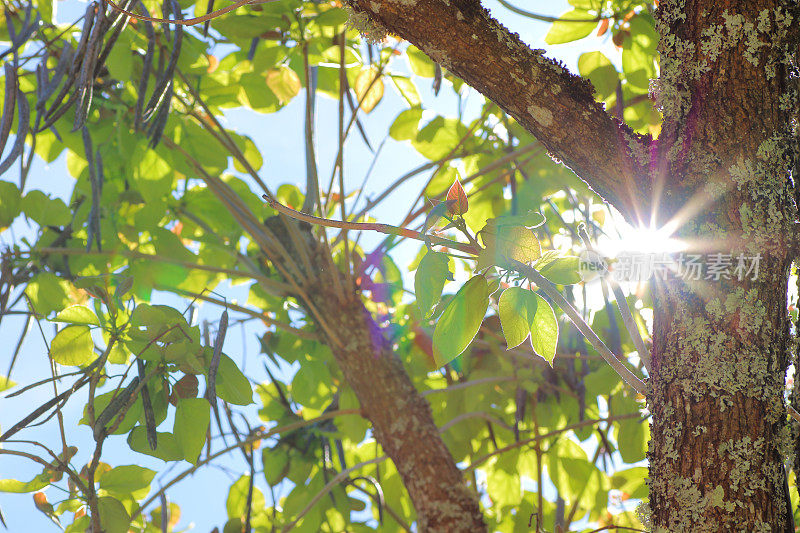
pixel 401 418
pixel 721 347
pixel 719 171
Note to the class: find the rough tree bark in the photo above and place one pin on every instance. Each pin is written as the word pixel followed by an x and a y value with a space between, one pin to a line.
pixel 721 348
pixel 401 418
pixel 720 169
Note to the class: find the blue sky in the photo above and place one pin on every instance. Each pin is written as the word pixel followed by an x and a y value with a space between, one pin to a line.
pixel 279 136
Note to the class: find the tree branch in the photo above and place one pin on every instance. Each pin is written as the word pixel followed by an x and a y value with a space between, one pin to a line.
pixel 555 106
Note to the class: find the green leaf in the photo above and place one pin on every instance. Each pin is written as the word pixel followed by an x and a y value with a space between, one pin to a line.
pixel 82 524
pixel 77 314
pixel 10 203
pixel 421 64
pixel 232 385
pixel 44 210
pixel 439 137
pixel 47 293
pixel 632 438
pixel 284 82
pixel 460 320
pixel 433 272
pixel 566 30
pixel 72 346
pixel 406 126
pixel 120 59
pixel 407 90
pixel 504 488
pixel 191 423
pixel 631 481
pixel 600 71
pixel 559 270
pixel 638 53
pixel 168 448
pixel 150 172
pixel 524 313
pixel 502 241
pixel 37 483
pixel 47 9
pixel 113 516
pixel 236 504
pixel 122 480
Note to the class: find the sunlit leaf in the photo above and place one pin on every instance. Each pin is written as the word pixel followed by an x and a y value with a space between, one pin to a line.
pixel 421 64
pixel 10 203
pixel 523 314
pixel 232 385
pixel 566 29
pixel 77 314
pixel 284 82
pixel 433 272
pixel 72 346
pixel 460 320
pixel 457 202
pixel 369 88
pixel 44 210
pixel 12 485
pixel 406 125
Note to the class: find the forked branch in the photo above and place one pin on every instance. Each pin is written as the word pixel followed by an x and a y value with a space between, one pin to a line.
pixel 557 107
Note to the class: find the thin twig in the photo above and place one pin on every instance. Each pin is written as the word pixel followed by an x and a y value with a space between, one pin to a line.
pixel 622 305
pixel 369 226
pixel 576 318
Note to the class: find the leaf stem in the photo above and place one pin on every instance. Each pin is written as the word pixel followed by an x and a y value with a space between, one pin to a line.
pixel 574 316
pixel 369 226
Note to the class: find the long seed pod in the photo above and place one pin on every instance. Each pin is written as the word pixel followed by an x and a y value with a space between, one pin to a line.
pixel 119 23
pixel 9 103
pixel 93 223
pixel 39 411
pixel 160 91
pixel 64 61
pixel 112 409
pixel 149 414
pixel 378 493
pixel 27 29
pixel 56 108
pixel 147 66
pixel 212 369
pixel 164 512
pixel 158 125
pixel 22 132
pixel 209 9
pixel 86 81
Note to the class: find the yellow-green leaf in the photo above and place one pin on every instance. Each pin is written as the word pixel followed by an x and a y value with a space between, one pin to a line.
pixel 570 28
pixel 460 320
pixel 524 313
pixel 124 479
pixel 284 82
pixel 433 271
pixel 72 346
pixel 77 314
pixel 369 88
